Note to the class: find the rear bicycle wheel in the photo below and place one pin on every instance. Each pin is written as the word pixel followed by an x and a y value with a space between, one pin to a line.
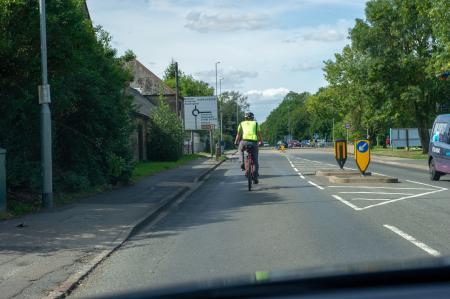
pixel 250 174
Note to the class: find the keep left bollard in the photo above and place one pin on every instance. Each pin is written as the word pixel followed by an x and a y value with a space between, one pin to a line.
pixel 2 181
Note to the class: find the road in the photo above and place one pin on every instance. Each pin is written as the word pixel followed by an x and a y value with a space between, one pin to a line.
pixel 292 220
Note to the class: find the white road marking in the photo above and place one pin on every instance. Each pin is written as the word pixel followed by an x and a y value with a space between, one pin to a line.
pixel 371 192
pixel 420 183
pixel 380 174
pixel 315 185
pixel 296 170
pixel 370 199
pixel 301 175
pixel 413 240
pixel 402 198
pixel 376 187
pixel 346 202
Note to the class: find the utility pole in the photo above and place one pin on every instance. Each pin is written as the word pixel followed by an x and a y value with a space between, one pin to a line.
pixel 46 119
pixel 221 112
pixel 177 92
pixel 220 106
pixel 289 123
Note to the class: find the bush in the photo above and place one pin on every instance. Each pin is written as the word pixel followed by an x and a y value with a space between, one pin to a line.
pixel 165 135
pixel 91 116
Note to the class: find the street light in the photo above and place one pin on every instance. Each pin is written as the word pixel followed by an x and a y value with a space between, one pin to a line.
pixel 46 120
pixel 221 112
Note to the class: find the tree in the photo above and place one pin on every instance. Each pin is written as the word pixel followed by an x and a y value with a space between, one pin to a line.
pixel 166 135
pixel 91 114
pixel 189 87
pixel 293 107
pixel 384 76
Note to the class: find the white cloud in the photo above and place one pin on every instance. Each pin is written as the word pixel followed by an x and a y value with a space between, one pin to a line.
pixel 226 22
pixel 304 66
pixel 266 95
pixel 231 78
pixel 327 33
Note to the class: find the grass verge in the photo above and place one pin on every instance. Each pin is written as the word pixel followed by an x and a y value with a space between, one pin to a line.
pixel 145 169
pixel 413 153
pixel 21 203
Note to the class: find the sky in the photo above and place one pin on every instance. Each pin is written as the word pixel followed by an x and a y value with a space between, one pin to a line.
pixel 266 48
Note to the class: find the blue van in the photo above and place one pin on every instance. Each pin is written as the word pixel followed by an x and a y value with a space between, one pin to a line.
pixel 439 150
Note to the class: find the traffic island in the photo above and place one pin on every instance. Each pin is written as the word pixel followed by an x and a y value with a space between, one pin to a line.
pixel 339 172
pixel 362 179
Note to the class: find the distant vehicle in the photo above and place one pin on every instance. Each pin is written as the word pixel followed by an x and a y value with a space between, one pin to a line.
pixel 266 144
pixel 294 143
pixel 305 143
pixel 439 149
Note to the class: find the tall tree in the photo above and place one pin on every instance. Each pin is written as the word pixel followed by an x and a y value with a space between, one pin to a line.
pixel 91 114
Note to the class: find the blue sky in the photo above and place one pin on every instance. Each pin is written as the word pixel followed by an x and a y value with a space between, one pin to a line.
pixel 265 47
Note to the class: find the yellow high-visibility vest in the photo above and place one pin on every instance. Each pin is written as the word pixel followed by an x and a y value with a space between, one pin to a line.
pixel 249 130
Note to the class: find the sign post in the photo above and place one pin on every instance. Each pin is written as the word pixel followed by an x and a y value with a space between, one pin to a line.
pixel 347 126
pixel 340 152
pixel 2 181
pixel 362 155
pixel 200 113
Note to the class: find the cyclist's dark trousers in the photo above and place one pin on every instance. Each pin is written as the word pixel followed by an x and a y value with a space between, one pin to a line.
pixel 242 144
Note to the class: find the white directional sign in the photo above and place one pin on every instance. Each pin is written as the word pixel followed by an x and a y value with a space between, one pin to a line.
pixel 200 113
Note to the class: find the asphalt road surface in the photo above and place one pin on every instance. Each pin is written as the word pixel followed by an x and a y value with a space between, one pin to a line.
pixel 292 220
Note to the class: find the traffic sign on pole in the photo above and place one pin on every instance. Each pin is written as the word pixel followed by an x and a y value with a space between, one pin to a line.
pixel 340 152
pixel 362 155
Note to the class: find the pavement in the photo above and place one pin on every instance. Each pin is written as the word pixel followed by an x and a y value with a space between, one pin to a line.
pixel 292 221
pixel 45 254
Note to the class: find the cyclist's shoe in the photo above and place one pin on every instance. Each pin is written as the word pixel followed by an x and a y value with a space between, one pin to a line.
pixel 242 166
pixel 256 181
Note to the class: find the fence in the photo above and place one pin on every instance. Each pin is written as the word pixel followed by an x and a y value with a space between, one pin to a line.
pixel 404 137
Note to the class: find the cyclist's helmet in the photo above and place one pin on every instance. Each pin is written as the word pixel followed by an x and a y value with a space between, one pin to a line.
pixel 248 115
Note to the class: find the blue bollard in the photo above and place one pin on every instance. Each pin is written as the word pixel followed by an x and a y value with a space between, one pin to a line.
pixel 2 181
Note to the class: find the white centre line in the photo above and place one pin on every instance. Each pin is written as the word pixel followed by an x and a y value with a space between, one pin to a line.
pixel 413 240
pixel 315 185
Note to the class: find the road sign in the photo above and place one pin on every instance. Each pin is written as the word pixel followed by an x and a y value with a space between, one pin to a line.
pixel 200 113
pixel 340 152
pixel 362 154
pixel 347 126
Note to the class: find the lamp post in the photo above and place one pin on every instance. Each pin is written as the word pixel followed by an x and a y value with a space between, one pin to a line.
pixel 221 112
pixel 46 120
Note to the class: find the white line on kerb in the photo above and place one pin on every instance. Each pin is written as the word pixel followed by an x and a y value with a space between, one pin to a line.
pixel 296 170
pixel 413 240
pixel 315 185
pixel 301 175
pixel 346 202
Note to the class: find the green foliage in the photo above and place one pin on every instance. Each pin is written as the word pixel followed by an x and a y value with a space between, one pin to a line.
pixel 387 76
pixel 166 134
pixel 233 105
pixel 292 110
pixel 90 112
pixel 189 87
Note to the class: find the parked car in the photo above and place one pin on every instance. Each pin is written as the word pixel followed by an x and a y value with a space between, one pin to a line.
pixel 294 143
pixel 439 149
pixel 266 144
pixel 305 143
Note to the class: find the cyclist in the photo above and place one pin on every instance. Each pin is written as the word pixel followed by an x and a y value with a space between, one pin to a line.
pixel 249 133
